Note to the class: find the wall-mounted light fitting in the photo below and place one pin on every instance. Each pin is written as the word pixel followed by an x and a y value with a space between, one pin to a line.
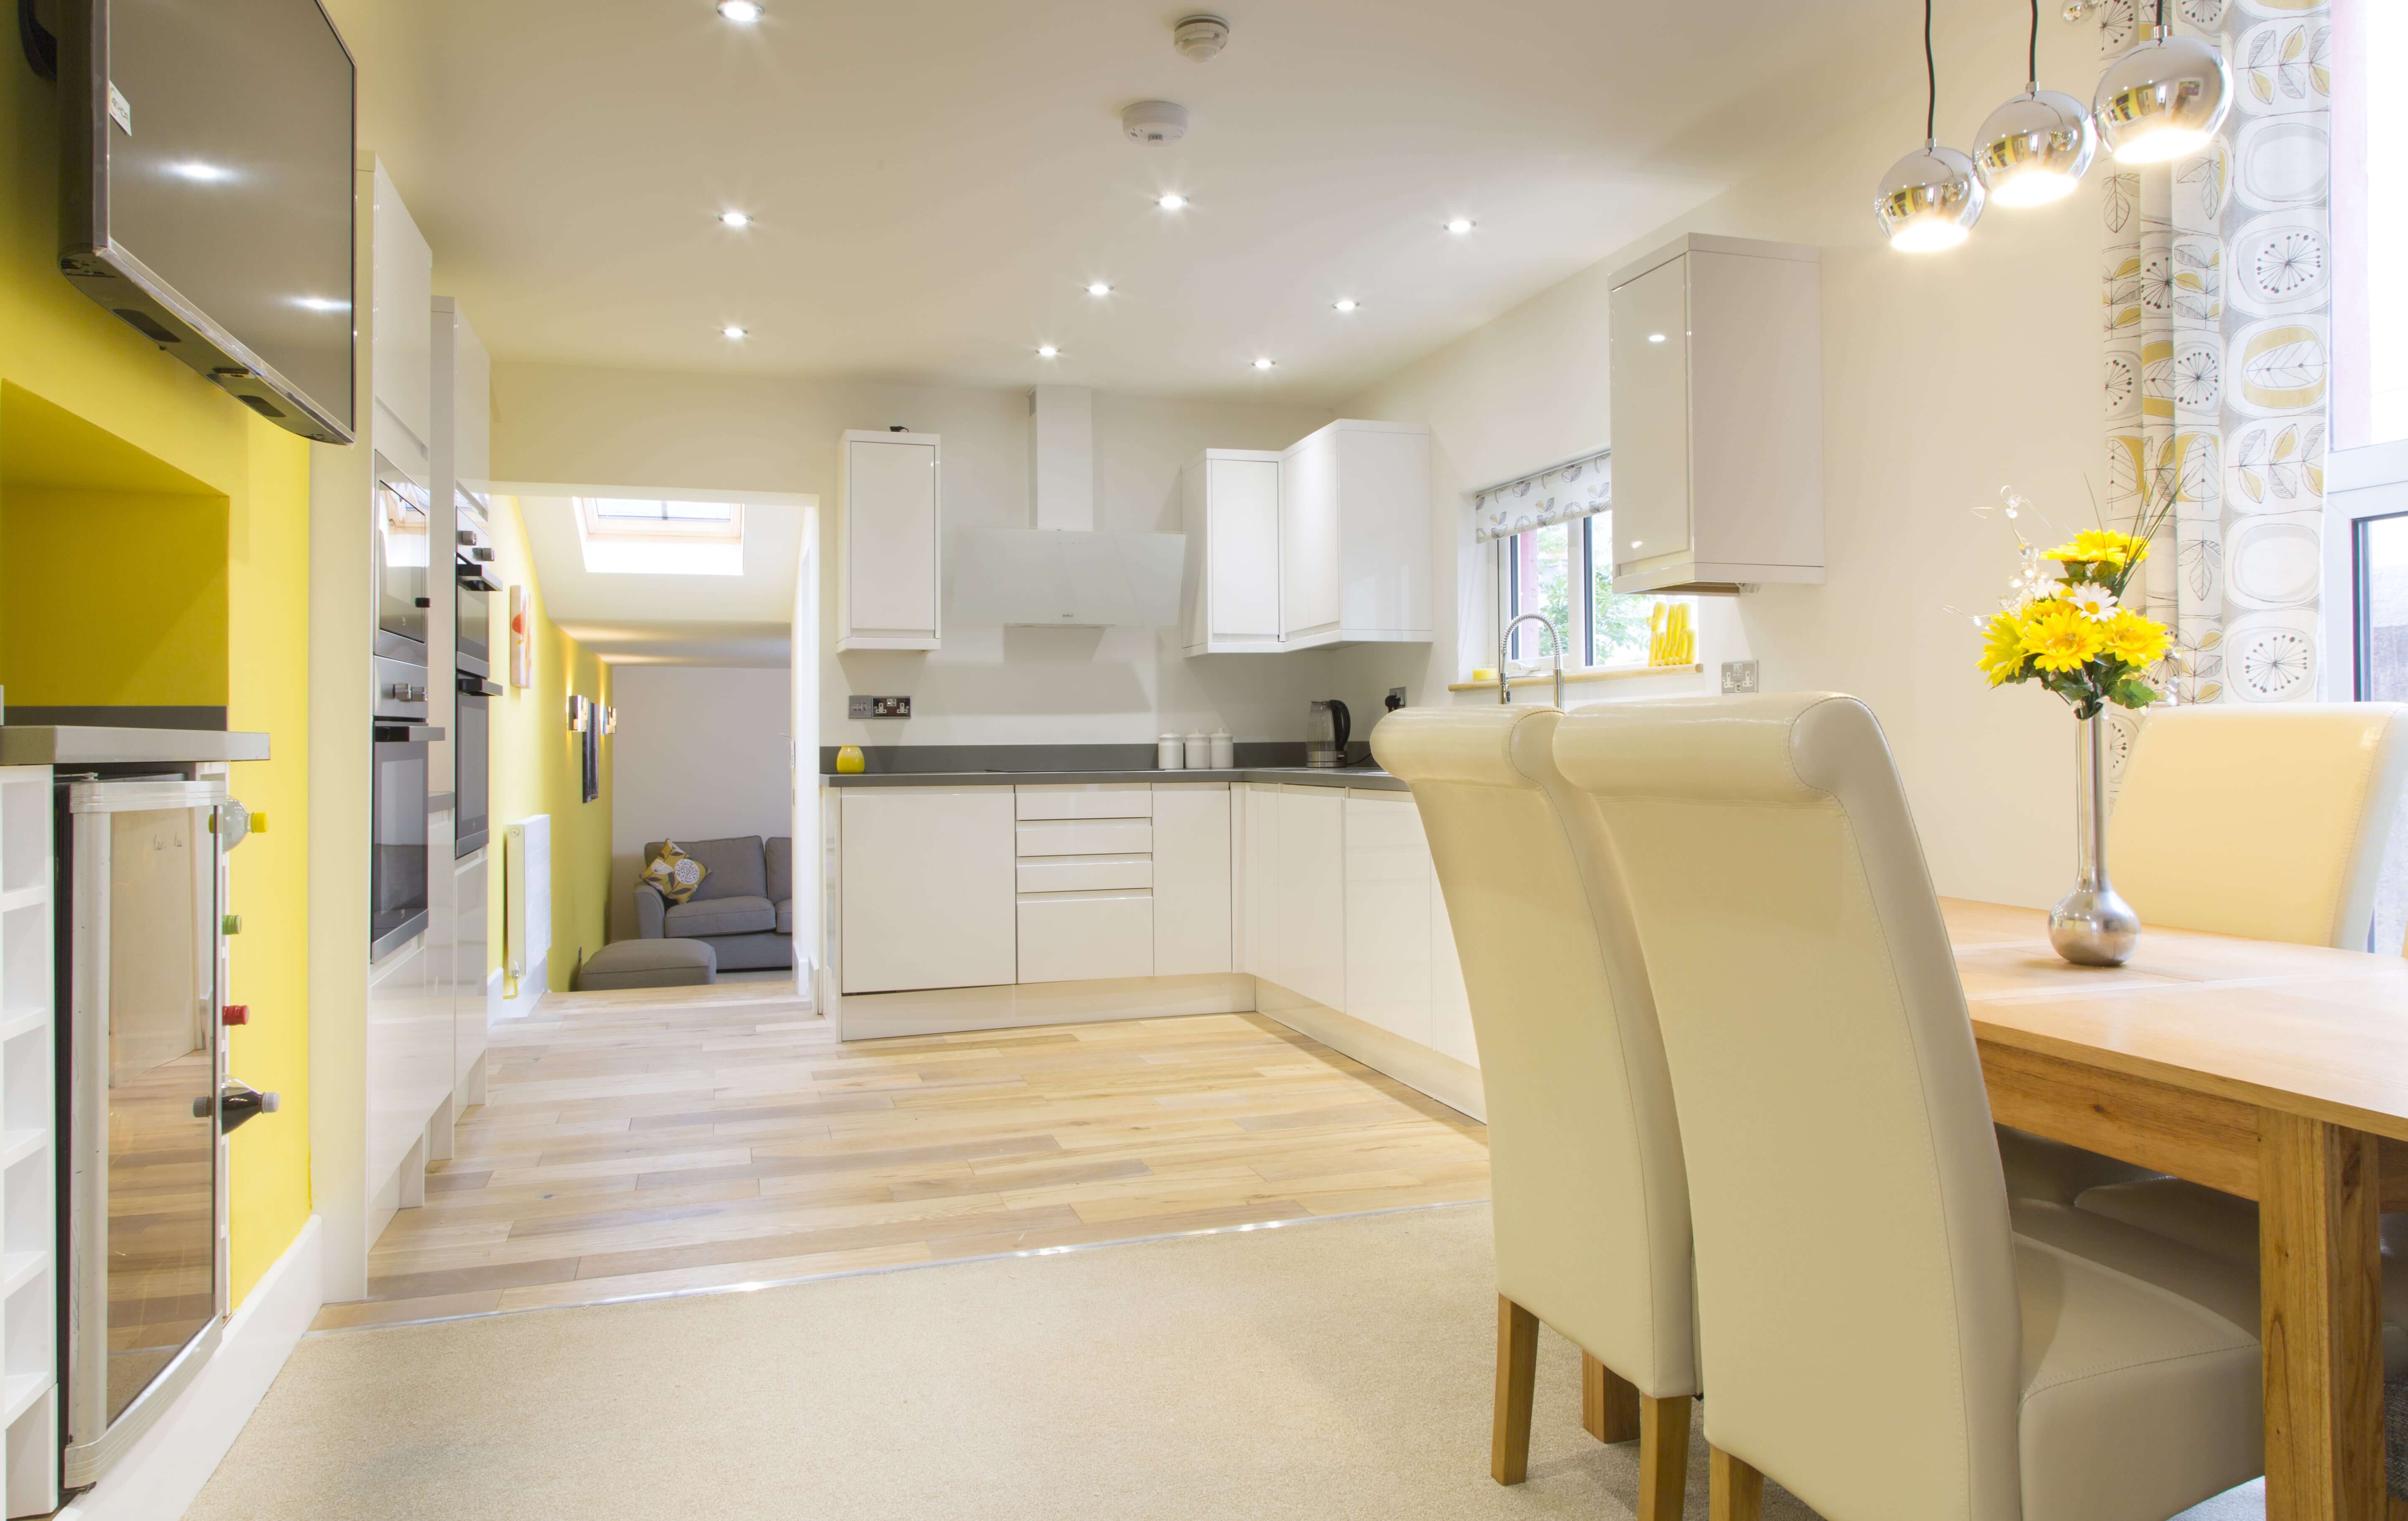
pixel 610 721
pixel 577 711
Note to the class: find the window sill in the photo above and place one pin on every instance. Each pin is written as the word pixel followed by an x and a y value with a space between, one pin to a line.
pixel 1609 673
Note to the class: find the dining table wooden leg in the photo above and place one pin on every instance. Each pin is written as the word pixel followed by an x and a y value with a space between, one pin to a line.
pixel 2320 1287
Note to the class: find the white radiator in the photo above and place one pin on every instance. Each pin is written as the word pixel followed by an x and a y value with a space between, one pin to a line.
pixel 527 893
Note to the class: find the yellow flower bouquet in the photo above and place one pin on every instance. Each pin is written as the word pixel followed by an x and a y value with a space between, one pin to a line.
pixel 2064 625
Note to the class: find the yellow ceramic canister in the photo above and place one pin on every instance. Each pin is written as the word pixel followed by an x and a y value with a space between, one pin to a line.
pixel 849 761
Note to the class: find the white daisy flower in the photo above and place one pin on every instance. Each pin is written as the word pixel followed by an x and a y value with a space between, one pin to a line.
pixel 2096 601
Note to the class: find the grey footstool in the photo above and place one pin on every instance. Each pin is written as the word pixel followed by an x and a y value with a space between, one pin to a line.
pixel 666 963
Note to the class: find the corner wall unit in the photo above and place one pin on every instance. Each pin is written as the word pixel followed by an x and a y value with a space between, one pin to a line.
pixel 1715 352
pixel 889 568
pixel 1230 506
pixel 29 1453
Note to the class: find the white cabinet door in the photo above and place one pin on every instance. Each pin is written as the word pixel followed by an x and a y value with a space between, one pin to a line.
pixel 888 579
pixel 1191 879
pixel 1387 914
pixel 1098 801
pixel 1650 392
pixel 1308 535
pixel 1312 889
pixel 1450 1001
pixel 1233 534
pixel 1074 936
pixel 1257 823
pixel 1384 545
pixel 928 893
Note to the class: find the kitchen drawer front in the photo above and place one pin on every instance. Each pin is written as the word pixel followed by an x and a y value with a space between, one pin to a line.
pixel 1085 873
pixel 1087 836
pixel 1072 937
pixel 1101 800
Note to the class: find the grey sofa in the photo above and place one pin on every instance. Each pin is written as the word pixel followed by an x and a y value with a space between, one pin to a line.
pixel 744 909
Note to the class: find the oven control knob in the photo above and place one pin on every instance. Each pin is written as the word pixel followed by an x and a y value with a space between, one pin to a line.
pixel 406 692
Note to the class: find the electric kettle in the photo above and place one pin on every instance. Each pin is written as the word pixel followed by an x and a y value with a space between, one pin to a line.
pixel 1326 728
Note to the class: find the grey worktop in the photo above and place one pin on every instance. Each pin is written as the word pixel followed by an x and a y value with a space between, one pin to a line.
pixel 1369 778
pixel 76 744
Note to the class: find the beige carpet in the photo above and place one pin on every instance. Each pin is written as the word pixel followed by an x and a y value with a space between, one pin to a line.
pixel 1332 1369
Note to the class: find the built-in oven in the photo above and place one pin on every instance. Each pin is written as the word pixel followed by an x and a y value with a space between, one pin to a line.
pixel 398 841
pixel 471 764
pixel 472 585
pixel 401 546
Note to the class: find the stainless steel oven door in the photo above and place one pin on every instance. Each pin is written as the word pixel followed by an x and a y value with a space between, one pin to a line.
pixel 398 835
pixel 472 764
pixel 474 620
pixel 401 540
pixel 146 1282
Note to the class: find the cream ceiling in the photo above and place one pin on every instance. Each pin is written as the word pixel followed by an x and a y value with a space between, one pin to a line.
pixel 934 181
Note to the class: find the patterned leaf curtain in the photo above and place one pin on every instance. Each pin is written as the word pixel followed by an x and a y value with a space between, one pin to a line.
pixel 1580 489
pixel 2218 295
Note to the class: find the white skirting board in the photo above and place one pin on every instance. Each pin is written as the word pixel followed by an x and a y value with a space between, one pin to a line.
pixel 871 1016
pixel 164 1472
pixel 1454 1084
pixel 531 991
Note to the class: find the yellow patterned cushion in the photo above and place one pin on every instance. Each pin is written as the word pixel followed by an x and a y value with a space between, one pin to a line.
pixel 674 874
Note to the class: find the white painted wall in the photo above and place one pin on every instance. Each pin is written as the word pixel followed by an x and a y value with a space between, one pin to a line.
pixel 1945 375
pixel 987 685
pixel 701 753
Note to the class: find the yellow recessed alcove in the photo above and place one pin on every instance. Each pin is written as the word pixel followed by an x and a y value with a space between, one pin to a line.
pixel 113 576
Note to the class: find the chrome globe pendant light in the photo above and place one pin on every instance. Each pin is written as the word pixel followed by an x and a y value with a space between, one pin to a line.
pixel 2164 98
pixel 2036 147
pixel 1930 198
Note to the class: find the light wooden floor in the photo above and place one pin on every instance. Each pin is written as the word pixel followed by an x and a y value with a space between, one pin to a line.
pixel 638 1143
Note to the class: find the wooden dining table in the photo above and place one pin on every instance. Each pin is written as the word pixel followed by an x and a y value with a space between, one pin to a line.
pixel 2276 1072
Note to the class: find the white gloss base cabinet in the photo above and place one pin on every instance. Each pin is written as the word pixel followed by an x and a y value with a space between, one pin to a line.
pixel 890 568
pixel 1192 866
pixel 927 887
pixel 29 1452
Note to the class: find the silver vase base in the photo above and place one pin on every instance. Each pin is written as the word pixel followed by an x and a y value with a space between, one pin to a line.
pixel 2094 927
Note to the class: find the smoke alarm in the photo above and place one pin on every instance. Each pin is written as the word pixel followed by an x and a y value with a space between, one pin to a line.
pixel 1201 37
pixel 1154 121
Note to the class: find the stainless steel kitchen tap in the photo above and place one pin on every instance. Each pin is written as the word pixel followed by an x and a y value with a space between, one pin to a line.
pixel 1505 640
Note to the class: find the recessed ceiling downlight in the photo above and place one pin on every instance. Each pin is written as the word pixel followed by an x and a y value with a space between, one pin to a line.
pixel 1099 287
pixel 1263 364
pixel 734 219
pixel 1171 201
pixel 742 12
pixel 1345 303
pixel 1461 225
pixel 731 331
pixel 1047 351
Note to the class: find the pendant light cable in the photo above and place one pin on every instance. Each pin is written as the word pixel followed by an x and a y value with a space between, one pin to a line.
pixel 2031 63
pixel 1931 75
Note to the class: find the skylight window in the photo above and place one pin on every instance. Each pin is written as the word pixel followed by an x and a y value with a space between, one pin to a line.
pixel 632 536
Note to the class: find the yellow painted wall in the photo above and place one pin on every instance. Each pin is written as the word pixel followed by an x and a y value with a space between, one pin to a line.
pixel 89 408
pixel 536 767
pixel 113 597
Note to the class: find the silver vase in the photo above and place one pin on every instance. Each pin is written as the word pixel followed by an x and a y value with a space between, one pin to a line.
pixel 2092 925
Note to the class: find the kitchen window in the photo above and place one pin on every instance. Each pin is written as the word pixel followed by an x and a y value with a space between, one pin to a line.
pixel 1565 571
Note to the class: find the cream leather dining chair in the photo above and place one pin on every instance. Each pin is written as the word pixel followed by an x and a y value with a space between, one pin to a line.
pixel 1591 1207
pixel 2268 822
pixel 1882 1332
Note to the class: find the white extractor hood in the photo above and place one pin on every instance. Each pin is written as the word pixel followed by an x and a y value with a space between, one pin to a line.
pixel 1062 573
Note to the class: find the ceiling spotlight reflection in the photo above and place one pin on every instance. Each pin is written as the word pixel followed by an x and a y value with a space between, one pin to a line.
pixel 201 173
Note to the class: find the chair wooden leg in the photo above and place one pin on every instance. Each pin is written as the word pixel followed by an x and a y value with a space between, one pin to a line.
pixel 1609 1402
pixel 1517 1369
pixel 1737 1490
pixel 1664 1457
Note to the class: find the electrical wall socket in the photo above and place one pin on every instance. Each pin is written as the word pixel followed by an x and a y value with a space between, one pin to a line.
pixel 861 706
pixel 1738 676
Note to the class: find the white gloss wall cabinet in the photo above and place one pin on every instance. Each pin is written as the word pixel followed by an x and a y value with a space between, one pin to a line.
pixel 1389 882
pixel 1230 504
pixel 1191 863
pixel 1311 893
pixel 928 887
pixel 1354 536
pixel 401 362
pixel 1716 357
pixel 889 564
